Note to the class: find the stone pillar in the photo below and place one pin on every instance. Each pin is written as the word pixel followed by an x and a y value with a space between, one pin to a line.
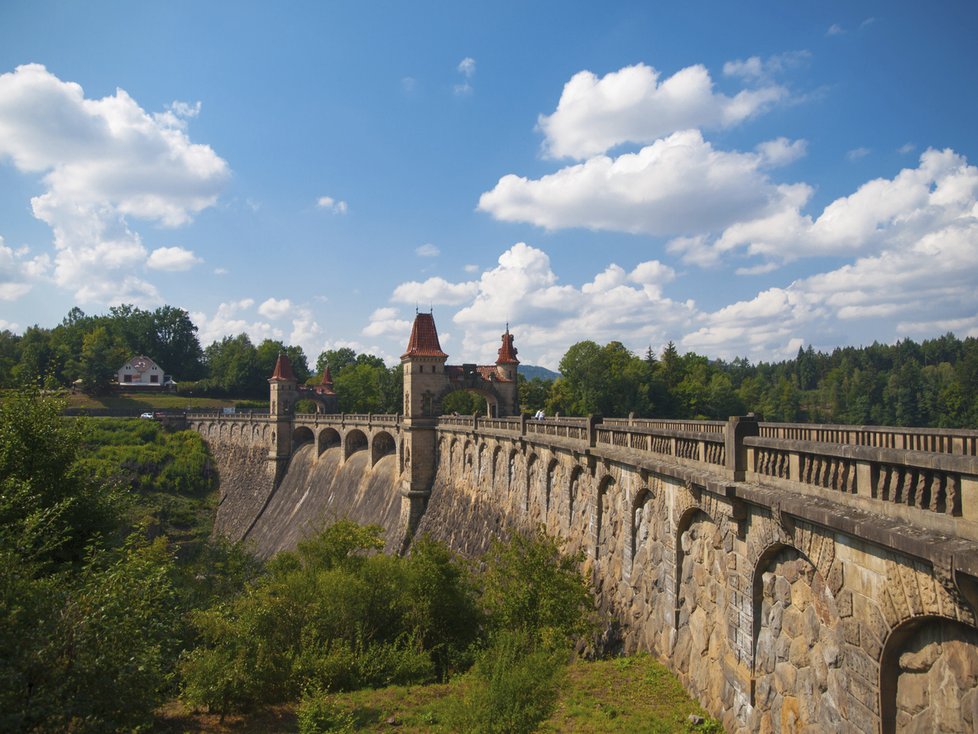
pixel 737 429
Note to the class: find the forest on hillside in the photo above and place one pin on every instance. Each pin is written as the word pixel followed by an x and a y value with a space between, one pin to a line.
pixel 933 383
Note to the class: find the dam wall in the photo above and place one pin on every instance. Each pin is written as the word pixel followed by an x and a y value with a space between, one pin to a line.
pixel 796 578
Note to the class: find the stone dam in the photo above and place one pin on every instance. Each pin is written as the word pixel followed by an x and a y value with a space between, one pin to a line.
pixel 797 578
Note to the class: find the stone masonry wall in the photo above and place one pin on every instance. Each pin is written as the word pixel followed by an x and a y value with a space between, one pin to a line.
pixel 775 624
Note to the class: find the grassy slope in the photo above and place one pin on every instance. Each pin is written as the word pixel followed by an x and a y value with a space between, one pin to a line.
pixel 148 401
pixel 636 695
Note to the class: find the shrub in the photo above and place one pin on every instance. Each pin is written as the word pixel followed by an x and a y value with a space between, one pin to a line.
pixel 319 715
pixel 530 585
pixel 514 687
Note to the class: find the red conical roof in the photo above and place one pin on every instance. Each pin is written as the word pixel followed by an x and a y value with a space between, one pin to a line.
pixel 424 338
pixel 283 370
pixel 507 352
pixel 325 386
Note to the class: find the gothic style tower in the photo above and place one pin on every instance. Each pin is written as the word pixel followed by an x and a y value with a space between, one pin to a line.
pixel 282 389
pixel 507 385
pixel 423 363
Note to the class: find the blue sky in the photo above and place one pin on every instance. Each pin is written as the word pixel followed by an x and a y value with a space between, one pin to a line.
pixel 739 178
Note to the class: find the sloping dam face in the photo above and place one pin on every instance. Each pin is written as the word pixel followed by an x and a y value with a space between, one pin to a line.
pixel 316 493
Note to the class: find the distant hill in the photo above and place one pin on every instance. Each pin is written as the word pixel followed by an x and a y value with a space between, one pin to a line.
pixel 529 371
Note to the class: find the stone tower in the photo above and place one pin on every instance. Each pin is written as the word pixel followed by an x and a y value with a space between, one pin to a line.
pixel 506 383
pixel 423 363
pixel 282 397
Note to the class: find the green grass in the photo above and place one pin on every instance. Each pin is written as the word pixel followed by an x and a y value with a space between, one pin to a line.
pixel 149 401
pixel 637 695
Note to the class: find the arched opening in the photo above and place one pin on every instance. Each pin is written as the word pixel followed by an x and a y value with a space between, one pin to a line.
pixel 549 488
pixel 602 514
pixel 496 454
pixel 640 523
pixel 356 440
pixel 573 489
pixel 328 438
pixel 531 470
pixel 798 644
pixel 301 436
pixel 480 465
pixel 929 676
pixel 456 400
pixel 701 601
pixel 383 445
pixel 511 471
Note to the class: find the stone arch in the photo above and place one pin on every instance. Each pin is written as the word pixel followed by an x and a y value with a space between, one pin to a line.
pixel 511 470
pixel 602 515
pixel 480 469
pixel 452 447
pixel 466 458
pixel 701 645
pixel 488 393
pixel 929 676
pixel 328 438
pixel 301 436
pixel 532 464
pixel 640 523
pixel 551 478
pixel 497 451
pixel 381 445
pixel 356 440
pixel 798 645
pixel 573 492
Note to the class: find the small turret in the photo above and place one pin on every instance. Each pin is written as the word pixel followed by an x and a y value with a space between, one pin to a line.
pixel 507 362
pixel 282 388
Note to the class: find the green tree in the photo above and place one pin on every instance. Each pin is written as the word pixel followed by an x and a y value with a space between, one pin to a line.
pixel 267 354
pixel 176 347
pixel 338 360
pixel 49 510
pixel 9 357
pixel 100 358
pixel 233 366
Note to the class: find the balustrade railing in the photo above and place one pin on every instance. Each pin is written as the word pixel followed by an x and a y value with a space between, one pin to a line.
pixel 931 471
pixel 940 483
pixel 931 440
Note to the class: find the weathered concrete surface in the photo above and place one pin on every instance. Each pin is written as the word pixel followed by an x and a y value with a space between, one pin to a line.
pixel 245 484
pixel 317 491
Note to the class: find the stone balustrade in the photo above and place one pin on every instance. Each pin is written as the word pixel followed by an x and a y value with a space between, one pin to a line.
pixel 932 440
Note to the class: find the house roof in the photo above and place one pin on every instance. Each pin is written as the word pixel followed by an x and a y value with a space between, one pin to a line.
pixel 424 338
pixel 283 370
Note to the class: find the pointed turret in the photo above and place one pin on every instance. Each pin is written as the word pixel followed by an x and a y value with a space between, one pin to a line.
pixel 283 370
pixel 507 352
pixel 325 386
pixel 424 338
pixel 282 387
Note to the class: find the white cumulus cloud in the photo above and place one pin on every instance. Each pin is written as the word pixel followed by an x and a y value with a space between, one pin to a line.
pixel 678 185
pixel 434 291
pixel 173 259
pixel 275 308
pixel 634 105
pixel 103 163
